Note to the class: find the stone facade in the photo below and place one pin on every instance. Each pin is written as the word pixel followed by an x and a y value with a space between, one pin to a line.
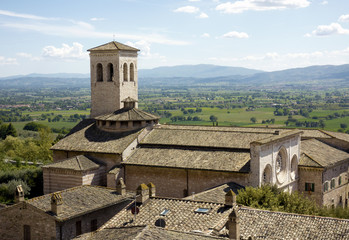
pixel 113 78
pixel 172 182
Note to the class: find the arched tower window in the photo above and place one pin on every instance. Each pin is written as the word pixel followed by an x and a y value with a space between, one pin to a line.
pixel 99 72
pixel 132 72
pixel 110 72
pixel 125 72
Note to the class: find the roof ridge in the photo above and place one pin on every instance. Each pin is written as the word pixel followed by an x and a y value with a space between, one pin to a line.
pixel 311 158
pixel 78 160
pixel 183 200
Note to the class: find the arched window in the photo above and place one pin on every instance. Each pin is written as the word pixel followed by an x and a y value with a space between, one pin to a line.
pixel 132 72
pixel 99 72
pixel 110 72
pixel 125 72
pixel 267 174
pixel 294 167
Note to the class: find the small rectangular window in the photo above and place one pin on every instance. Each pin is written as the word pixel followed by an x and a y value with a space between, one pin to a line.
pixel 309 187
pixel 93 225
pixel 78 228
pixel 203 210
pixel 333 183
pixel 164 212
pixel 26 232
pixel 339 180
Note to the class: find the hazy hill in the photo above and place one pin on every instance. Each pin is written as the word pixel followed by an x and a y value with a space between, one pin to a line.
pixel 195 71
pixel 314 77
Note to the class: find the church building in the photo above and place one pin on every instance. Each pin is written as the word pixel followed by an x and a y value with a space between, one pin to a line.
pixel 120 140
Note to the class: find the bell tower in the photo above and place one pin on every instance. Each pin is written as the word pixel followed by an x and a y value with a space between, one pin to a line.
pixel 114 77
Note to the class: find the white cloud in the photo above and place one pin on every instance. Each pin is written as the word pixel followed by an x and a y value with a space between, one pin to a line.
pixel 8 61
pixel 333 28
pixel 324 3
pixel 260 5
pixel 187 9
pixel 205 35
pixel 97 19
pixel 21 15
pixel 145 51
pixel 235 34
pixel 344 18
pixel 83 30
pixel 65 52
pixel 203 15
pixel 28 56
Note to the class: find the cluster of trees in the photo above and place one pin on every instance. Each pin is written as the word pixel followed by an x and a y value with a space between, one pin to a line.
pixel 28 149
pixel 29 177
pixel 306 124
pixel 7 130
pixel 271 198
pixel 182 118
pixel 34 126
pixel 14 115
pixel 272 121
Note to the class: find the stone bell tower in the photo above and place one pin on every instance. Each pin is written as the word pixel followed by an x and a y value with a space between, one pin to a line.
pixel 113 77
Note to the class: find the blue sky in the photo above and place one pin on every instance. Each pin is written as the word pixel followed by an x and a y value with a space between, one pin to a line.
pixel 53 36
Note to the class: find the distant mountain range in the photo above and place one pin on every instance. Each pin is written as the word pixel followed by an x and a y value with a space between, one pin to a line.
pixel 313 77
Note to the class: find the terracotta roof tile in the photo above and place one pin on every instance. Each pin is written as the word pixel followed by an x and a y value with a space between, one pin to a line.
pixel 113 46
pixel 78 163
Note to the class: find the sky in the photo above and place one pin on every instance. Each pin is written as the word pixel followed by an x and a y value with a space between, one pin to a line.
pixel 53 36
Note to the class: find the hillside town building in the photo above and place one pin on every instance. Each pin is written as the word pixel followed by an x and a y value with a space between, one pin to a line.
pixel 122 141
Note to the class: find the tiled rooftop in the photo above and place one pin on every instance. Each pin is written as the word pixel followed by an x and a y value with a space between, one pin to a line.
pixel 321 153
pixel 80 200
pixel 144 233
pixel 86 137
pixel 124 114
pixel 181 215
pixel 192 159
pixel 78 163
pixel 277 225
pixel 216 194
pixel 113 46
pixel 203 138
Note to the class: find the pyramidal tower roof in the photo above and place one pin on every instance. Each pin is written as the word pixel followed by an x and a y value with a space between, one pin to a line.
pixel 113 46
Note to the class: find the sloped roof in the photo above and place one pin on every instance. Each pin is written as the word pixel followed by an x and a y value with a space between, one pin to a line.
pixel 216 194
pixel 125 114
pixel 143 233
pixel 322 153
pixel 338 135
pixel 77 163
pixel 181 215
pixel 88 138
pixel 80 200
pixel 307 161
pixel 278 225
pixel 191 159
pixel 203 138
pixel 113 46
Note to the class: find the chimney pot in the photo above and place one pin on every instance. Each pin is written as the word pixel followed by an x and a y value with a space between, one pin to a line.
pixel 19 194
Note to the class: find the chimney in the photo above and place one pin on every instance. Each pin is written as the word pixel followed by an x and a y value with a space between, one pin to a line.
pixel 19 194
pixel 152 189
pixel 277 132
pixel 230 198
pixel 234 225
pixel 121 187
pixel 56 203
pixel 142 193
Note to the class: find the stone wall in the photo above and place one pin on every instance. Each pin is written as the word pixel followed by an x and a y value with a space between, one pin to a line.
pixel 13 219
pixel 102 216
pixel 109 159
pixel 338 194
pixel 106 96
pixel 176 182
pixel 311 175
pixel 57 180
pixel 264 155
